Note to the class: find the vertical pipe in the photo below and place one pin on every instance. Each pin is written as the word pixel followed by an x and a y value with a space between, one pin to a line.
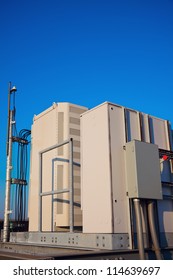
pixel 71 186
pixel 143 203
pixel 126 125
pixel 139 228
pixel 40 197
pixel 52 199
pixel 153 229
pixel 145 223
pixel 8 181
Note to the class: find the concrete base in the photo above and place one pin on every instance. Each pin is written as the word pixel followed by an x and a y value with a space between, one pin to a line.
pixel 73 240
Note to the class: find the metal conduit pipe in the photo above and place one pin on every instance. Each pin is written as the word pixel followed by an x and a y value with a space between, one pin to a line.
pixel 152 226
pixel 139 228
pixel 145 227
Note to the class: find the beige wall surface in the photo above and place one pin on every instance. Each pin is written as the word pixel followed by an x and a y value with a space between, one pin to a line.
pixel 55 125
pixel 105 202
pixel 96 181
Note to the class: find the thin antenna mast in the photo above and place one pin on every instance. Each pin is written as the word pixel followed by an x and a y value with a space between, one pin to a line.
pixel 10 123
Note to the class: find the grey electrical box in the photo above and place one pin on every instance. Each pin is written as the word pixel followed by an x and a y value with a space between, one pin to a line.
pixel 143 170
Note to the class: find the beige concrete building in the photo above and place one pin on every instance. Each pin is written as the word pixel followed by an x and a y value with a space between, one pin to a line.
pixel 56 124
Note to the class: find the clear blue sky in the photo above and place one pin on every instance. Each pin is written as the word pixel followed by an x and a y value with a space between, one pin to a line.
pixel 85 52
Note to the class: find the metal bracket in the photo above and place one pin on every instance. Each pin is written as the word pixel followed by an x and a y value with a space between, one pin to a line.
pixel 165 153
pixel 20 140
pixel 18 181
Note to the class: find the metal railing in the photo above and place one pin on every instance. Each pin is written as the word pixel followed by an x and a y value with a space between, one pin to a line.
pixel 53 192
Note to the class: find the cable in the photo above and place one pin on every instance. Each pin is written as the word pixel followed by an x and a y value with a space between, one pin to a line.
pixel 22 167
pixel 139 228
pixel 152 226
pixel 19 193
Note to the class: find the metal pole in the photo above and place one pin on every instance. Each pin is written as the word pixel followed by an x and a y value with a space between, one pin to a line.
pixel 8 180
pixel 8 117
pixel 71 186
pixel 54 146
pixel 153 232
pixel 54 192
pixel 52 199
pixel 40 197
pixel 139 228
